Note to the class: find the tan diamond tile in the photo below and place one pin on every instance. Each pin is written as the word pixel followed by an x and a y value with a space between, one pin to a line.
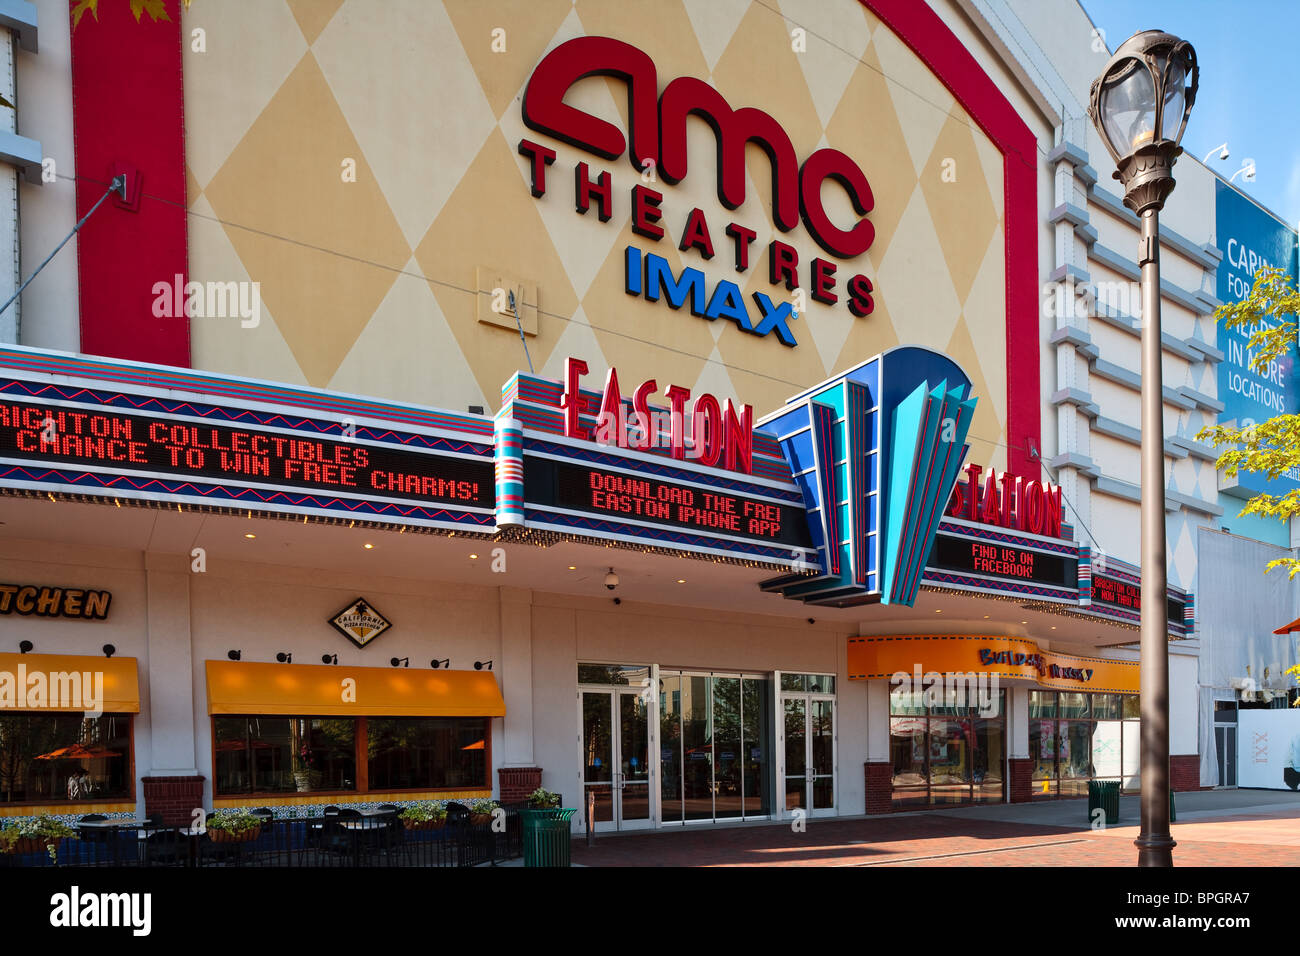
pixel 313 15
pixel 529 26
pixel 987 424
pixel 253 45
pixel 308 237
pixel 985 309
pixel 509 235
pixel 224 344
pixel 667 36
pixel 866 127
pixel 429 368
pixel 417 164
pixel 868 336
pixel 961 209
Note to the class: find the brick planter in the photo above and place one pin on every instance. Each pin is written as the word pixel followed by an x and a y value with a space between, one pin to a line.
pixel 518 783
pixel 1022 771
pixel 176 798
pixel 880 786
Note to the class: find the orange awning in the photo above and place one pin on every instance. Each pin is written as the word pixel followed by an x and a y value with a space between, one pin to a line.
pixel 1288 628
pixel 68 683
pixel 306 690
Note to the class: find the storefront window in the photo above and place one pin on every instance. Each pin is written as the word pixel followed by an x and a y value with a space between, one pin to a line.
pixel 54 757
pixel 1094 737
pixel 947 753
pixel 427 753
pixel 284 754
pixel 622 675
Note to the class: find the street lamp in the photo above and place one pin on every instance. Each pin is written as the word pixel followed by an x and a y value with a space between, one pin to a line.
pixel 1139 105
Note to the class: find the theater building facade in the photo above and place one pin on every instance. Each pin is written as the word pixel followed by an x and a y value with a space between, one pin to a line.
pixel 714 412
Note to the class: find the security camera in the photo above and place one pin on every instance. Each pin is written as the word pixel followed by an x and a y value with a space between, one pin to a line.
pixel 611 580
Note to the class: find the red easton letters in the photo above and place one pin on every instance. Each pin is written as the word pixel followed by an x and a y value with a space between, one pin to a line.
pixel 718 433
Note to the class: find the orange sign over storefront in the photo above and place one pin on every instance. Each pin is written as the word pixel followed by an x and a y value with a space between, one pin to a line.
pixel 872 658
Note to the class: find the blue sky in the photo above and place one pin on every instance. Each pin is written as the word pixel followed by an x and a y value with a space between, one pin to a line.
pixel 1250 84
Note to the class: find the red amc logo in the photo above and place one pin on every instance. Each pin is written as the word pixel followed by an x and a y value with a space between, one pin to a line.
pixel 658 138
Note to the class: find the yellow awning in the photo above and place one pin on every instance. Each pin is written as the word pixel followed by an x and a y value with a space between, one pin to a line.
pixel 68 683
pixel 306 690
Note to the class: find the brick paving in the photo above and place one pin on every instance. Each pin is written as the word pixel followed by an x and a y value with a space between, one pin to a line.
pixel 951 839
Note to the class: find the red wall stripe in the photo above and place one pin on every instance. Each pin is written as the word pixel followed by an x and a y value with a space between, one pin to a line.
pixel 128 109
pixel 929 38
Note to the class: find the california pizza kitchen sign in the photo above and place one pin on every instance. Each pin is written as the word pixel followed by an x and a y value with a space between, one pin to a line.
pixel 658 144
pixel 360 623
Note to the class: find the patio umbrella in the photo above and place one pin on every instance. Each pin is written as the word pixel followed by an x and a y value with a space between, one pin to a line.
pixel 78 752
pixel 1289 628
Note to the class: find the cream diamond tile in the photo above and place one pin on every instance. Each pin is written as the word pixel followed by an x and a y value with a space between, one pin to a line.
pixel 919 293
pixel 224 345
pixel 510 236
pixel 667 37
pixel 417 164
pixel 579 341
pixel 715 22
pixel 991 162
pixel 915 92
pixel 528 25
pixel 429 368
pixel 837 36
pixel 260 44
pixel 326 252
pixel 715 380
pixel 759 67
pixel 313 15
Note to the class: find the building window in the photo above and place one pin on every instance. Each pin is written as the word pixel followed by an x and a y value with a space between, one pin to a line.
pixel 946 754
pixel 284 754
pixel 427 753
pixel 52 758
pixel 1076 737
pixel 268 754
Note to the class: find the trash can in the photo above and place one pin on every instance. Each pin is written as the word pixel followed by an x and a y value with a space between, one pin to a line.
pixel 1104 795
pixel 546 837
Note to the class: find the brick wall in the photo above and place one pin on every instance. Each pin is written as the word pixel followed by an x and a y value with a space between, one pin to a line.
pixel 518 782
pixel 1021 770
pixel 1185 772
pixel 174 797
pixel 879 786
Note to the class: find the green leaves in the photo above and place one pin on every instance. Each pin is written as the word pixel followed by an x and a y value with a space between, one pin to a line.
pixel 1271 447
pixel 157 9
pixel 79 8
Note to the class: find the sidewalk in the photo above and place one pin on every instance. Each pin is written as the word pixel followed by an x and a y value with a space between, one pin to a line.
pixel 1214 828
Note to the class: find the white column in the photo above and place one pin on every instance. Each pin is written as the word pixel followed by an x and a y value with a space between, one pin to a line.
pixel 170 674
pixel 517 675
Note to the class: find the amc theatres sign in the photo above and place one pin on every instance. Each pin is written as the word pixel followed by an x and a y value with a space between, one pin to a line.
pixel 657 144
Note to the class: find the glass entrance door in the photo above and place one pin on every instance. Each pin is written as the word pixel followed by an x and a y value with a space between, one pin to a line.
pixel 616 751
pixel 808 732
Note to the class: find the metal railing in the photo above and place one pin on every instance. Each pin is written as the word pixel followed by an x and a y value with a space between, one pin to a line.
pixel 334 840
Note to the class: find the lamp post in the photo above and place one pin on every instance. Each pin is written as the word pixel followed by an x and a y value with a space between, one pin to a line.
pixel 1139 105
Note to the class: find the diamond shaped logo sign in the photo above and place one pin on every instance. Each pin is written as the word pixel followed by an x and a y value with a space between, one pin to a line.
pixel 360 623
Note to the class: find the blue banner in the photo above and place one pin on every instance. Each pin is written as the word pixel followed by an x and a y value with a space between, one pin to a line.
pixel 1251 239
